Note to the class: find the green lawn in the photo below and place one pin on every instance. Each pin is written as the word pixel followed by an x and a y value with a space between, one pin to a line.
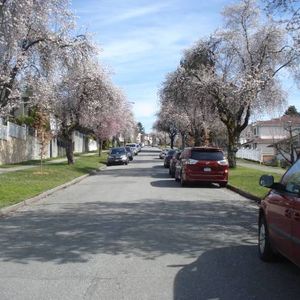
pixel 247 180
pixel 21 185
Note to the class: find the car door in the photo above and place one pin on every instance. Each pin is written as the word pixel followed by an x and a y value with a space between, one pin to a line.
pixel 279 221
pixel 296 231
pixel 292 185
pixel 281 211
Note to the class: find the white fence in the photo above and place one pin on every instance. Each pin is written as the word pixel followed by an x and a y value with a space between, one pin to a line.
pixel 19 143
pixel 16 131
pixel 3 132
pixel 12 130
pixel 250 154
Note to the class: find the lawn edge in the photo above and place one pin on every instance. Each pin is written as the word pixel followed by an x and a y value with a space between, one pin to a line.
pixel 12 208
pixel 243 193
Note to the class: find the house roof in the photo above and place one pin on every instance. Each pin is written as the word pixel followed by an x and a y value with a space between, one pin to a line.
pixel 295 121
pixel 295 139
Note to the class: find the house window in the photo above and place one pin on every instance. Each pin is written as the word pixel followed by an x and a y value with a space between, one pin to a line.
pixel 255 131
pixel 254 146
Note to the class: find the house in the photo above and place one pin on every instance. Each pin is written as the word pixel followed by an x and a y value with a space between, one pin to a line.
pixel 257 140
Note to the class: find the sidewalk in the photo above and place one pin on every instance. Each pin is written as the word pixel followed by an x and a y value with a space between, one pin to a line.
pixel 20 168
pixel 25 167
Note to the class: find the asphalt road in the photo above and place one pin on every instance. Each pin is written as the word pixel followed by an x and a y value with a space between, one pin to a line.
pixel 131 232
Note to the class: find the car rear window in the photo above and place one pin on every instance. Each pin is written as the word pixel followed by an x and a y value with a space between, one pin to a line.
pixel 171 152
pixel 117 151
pixel 207 155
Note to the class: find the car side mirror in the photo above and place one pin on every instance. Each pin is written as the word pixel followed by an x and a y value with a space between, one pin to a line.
pixel 266 181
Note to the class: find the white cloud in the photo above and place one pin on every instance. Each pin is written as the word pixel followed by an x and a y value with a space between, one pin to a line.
pixel 136 12
pixel 124 48
pixel 144 109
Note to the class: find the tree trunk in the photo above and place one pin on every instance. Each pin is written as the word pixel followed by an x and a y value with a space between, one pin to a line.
pixel 206 136
pixel 172 137
pixel 232 149
pixel 67 136
pixel 197 138
pixel 100 143
pixel 183 140
pixel 69 151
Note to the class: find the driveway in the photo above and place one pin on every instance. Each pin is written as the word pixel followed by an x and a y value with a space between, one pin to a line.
pixel 131 232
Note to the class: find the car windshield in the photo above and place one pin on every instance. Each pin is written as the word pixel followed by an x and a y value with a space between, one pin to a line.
pixel 207 155
pixel 171 152
pixel 117 151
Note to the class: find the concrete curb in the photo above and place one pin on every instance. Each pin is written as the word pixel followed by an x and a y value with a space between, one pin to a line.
pixel 244 194
pixel 9 209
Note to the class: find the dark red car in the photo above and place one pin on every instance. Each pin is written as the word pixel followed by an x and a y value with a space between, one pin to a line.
pixel 202 164
pixel 173 162
pixel 279 217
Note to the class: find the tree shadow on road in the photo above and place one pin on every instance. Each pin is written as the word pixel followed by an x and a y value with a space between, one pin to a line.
pixel 149 229
pixel 171 183
pixel 236 273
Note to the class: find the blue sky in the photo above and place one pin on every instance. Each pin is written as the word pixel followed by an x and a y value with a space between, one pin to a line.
pixel 143 40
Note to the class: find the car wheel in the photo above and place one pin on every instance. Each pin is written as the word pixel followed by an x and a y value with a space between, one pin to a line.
pixel 108 164
pixel 265 250
pixel 223 184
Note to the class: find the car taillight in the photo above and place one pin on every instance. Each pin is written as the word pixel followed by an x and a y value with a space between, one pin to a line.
pixel 223 162
pixel 191 161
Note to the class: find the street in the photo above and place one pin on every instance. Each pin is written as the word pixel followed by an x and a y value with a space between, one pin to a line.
pixel 131 232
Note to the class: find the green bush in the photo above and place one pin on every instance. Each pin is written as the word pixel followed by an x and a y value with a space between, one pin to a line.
pixel 284 164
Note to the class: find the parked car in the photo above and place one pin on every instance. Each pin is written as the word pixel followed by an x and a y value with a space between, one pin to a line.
pixel 117 156
pixel 202 164
pixel 139 147
pixel 174 160
pixel 129 152
pixel 168 157
pixel 134 148
pixel 279 217
pixel 163 153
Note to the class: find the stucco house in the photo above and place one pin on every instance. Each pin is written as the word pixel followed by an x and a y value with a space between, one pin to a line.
pixel 257 139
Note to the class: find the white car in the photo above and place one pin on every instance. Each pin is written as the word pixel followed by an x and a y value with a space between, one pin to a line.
pixel 134 147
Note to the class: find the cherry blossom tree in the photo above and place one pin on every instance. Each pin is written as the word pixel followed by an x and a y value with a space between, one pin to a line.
pixel 184 102
pixel 110 116
pixel 33 36
pixel 244 58
pixel 79 95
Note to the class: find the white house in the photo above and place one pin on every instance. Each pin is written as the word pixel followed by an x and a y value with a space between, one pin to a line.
pixel 257 139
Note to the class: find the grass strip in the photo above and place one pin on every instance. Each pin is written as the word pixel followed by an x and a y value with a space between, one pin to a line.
pixel 21 185
pixel 247 180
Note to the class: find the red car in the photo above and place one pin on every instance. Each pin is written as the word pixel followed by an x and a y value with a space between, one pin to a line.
pixel 202 164
pixel 279 217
